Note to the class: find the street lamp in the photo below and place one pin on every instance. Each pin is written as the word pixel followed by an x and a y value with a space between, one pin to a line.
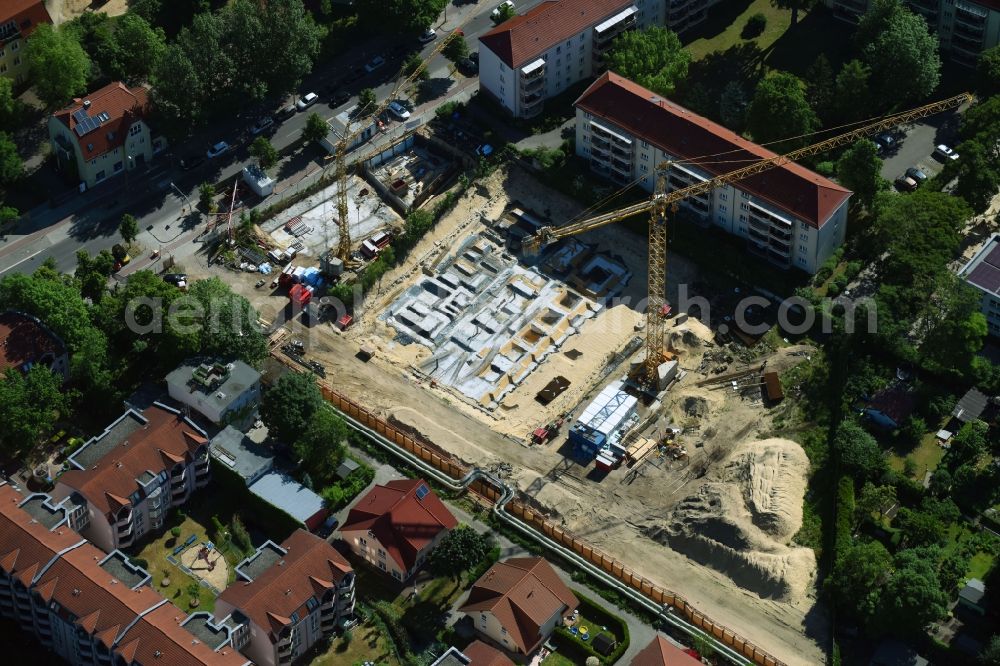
pixel 187 202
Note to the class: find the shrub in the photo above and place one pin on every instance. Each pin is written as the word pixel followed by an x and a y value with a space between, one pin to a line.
pixel 139 562
pixel 825 168
pixel 240 534
pixel 755 26
pixel 175 532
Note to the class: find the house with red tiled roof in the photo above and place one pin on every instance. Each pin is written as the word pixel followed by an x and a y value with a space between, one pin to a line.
pixel 104 134
pixel 395 526
pixel 477 653
pixel 519 602
pixel 25 342
pixel 286 598
pixel 661 652
pixel 537 55
pixel 88 606
pixel 129 476
pixel 789 216
pixel 965 28
pixel 18 19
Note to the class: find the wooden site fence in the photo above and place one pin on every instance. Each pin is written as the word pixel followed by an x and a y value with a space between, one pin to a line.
pixel 608 564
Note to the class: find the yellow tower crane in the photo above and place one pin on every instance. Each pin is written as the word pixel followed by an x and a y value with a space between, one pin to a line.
pixel 662 201
pixel 343 146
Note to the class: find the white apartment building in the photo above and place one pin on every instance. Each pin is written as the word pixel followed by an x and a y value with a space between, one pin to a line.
pixel 123 482
pixel 790 216
pixel 221 392
pixel 965 27
pixel 982 273
pixel 286 598
pixel 530 58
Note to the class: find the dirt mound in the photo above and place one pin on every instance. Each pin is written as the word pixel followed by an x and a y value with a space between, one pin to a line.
pixel 741 519
pixel 695 406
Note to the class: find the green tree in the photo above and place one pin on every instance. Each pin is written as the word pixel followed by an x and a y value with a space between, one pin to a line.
pixel 875 499
pixel 653 58
pixel 978 173
pixel 458 551
pixel 859 169
pixel 952 327
pixel 795 5
pixel 10 107
pixel 401 16
pixel 321 446
pixel 292 38
pixel 414 63
pixel 366 102
pixel 920 528
pixel 988 72
pixel 903 55
pixel 265 154
pixel 206 196
pixel 289 406
pixel 852 97
pixel 11 167
pixel 990 654
pixel 230 327
pixel 969 444
pixel 59 65
pixel 128 228
pixel 779 113
pixel 857 578
pixel 30 403
pixel 820 80
pixel 315 129
pixel 92 273
pixel 859 453
pixel 138 47
pixel 912 597
pixel 178 88
pixel 457 48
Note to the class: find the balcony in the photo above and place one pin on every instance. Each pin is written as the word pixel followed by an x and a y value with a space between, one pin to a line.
pixel 532 108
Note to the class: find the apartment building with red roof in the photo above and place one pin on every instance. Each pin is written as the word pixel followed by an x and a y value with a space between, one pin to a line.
pixel 395 526
pixel 25 341
pixel 286 598
pixel 88 606
pixel 519 602
pixel 123 481
pixel 789 215
pixel 18 19
pixel 965 28
pixel 537 55
pixel 104 134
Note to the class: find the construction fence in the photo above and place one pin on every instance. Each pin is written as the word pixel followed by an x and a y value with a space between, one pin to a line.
pixel 532 517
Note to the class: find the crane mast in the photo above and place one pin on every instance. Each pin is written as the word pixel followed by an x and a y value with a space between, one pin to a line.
pixel 663 202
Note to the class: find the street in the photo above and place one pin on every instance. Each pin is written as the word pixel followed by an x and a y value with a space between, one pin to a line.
pixel 161 198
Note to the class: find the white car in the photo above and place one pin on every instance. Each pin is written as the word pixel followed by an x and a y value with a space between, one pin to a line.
pixel 217 149
pixel 943 152
pixel 399 110
pixel 429 36
pixel 500 8
pixel 306 101
pixel 375 63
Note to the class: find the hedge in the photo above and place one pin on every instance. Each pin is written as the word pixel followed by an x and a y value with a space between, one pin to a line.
pixel 577 650
pixel 274 522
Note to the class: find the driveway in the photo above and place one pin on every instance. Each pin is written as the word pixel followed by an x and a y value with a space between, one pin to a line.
pixel 916 142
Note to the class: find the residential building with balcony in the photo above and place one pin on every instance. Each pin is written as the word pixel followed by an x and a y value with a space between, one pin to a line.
pixel 87 606
pixel 965 27
pixel 133 473
pixel 105 134
pixel 18 19
pixel 535 56
pixel 788 216
pixel 25 341
pixel 396 526
pixel 221 392
pixel 982 273
pixel 286 598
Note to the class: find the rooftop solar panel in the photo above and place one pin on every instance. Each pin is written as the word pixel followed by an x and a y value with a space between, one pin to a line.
pixel 986 277
pixel 79 115
pixel 422 491
pixel 993 258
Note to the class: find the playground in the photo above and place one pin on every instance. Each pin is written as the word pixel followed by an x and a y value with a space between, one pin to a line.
pixel 203 561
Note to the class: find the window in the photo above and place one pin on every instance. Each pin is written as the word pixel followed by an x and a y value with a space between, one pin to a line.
pixel 395 574
pixel 15 46
pixel 364 541
pixel 744 206
pixel 503 630
pixel 745 195
pixel 118 167
pixel 723 196
pixel 643 168
pixel 558 50
pixel 100 175
pixel 381 565
pixel 802 261
pixel 135 129
pixel 381 553
pixel 645 144
pixel 803 248
pixel 3 68
pixel 17 61
pixel 722 207
pixel 743 218
pixel 645 157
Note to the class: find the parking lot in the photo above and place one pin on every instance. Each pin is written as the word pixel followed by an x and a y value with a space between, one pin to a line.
pixel 915 145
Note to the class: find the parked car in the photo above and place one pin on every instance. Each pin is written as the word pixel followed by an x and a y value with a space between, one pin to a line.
pixel 468 66
pixel 340 98
pixel 375 63
pixel 398 110
pixel 262 125
pixel 943 152
pixel 905 184
pixel 917 175
pixel 428 36
pixel 286 112
pixel 474 57
pixel 500 8
pixel 217 149
pixel 306 101
pixel 174 278
pixel 356 75
pixel 191 161
pixel 885 142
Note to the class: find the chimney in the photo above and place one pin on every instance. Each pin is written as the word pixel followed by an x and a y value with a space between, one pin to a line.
pixel 86 103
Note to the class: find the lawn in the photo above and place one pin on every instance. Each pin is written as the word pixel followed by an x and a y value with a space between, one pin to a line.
pixel 724 27
pixel 979 565
pixel 155 553
pixel 367 645
pixel 926 456
pixel 556 659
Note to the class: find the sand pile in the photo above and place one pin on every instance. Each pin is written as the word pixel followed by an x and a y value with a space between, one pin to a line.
pixel 741 519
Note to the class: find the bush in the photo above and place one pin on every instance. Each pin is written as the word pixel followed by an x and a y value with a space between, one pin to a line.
pixel 240 534
pixel 139 562
pixel 448 109
pixel 175 532
pixel 825 168
pixel 755 26
pixel 477 571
